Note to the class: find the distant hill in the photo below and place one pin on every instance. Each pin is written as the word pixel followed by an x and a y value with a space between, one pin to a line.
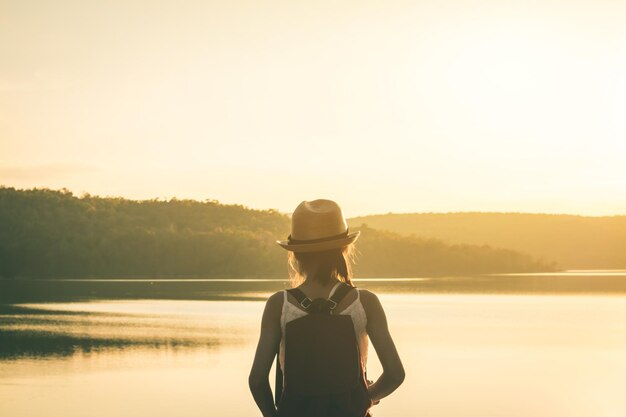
pixel 47 233
pixel 388 254
pixel 574 242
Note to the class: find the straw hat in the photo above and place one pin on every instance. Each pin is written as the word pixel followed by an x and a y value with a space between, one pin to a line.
pixel 316 226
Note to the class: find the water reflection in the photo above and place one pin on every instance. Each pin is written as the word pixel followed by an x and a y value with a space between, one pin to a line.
pixel 515 353
pixel 21 344
pixel 65 329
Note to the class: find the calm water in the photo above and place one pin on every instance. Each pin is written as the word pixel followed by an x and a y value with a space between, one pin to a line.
pixel 516 353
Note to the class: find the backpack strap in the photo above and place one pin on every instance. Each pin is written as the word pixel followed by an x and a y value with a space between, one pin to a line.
pixel 336 298
pixel 339 295
pixel 301 297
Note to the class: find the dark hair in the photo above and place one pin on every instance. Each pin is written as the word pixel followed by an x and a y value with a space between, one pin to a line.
pixel 322 266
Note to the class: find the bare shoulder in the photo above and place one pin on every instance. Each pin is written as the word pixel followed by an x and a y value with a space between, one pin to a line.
pixel 274 304
pixel 368 297
pixel 371 305
pixel 276 298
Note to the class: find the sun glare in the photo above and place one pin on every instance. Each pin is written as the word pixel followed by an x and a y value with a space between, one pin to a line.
pixel 512 98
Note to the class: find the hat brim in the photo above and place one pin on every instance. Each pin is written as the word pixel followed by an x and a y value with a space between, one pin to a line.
pixel 319 246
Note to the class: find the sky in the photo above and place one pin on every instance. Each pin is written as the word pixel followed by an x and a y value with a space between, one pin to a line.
pixel 394 106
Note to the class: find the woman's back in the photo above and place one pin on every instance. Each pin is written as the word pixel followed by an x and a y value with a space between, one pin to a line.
pixel 351 305
pixel 323 352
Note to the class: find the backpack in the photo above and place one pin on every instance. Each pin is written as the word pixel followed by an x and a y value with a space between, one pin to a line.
pixel 324 375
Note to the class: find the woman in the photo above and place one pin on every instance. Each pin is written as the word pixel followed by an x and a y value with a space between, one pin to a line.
pixel 320 254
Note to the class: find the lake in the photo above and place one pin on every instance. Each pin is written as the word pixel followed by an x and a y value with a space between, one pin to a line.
pixel 511 346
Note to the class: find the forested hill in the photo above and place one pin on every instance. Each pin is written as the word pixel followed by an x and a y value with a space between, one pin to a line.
pixel 46 233
pixel 574 242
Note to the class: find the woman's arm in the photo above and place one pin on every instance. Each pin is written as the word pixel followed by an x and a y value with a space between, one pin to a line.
pixel 265 353
pixel 378 332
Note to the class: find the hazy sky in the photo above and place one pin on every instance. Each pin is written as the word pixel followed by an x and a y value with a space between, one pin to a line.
pixel 383 106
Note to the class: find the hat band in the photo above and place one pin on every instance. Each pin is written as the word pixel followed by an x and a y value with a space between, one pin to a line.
pixel 323 239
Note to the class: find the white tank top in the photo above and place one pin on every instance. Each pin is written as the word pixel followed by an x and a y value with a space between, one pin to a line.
pixel 356 310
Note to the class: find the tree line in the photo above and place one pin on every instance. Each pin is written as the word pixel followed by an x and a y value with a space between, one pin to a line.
pixel 55 234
